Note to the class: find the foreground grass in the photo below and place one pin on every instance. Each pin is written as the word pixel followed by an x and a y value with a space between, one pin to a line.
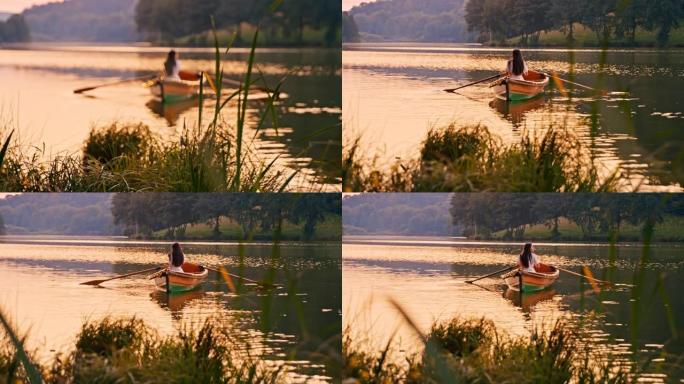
pixel 471 159
pixel 127 351
pixel 129 158
pixel 474 351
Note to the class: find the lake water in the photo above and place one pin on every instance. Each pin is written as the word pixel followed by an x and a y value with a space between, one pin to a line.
pixel 296 326
pixel 37 97
pixel 427 278
pixel 392 96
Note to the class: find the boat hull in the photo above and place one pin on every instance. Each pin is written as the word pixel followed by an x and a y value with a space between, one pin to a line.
pixel 170 91
pixel 188 280
pixel 519 90
pixel 531 281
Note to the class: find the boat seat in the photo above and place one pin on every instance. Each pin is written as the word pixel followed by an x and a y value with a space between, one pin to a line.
pixel 534 76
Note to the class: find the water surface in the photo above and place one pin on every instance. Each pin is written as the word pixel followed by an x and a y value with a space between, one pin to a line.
pixel 635 326
pixel 296 326
pixel 392 96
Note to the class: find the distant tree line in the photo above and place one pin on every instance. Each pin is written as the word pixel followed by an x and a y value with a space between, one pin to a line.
pixel 145 213
pixel 408 214
pixel 167 20
pixel 14 30
pixel 496 20
pixel 412 20
pixel 350 31
pixel 483 214
pixel 58 214
pixel 83 20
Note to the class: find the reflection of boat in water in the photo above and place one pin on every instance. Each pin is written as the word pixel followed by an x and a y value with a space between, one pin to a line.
pixel 175 302
pixel 528 300
pixel 172 111
pixel 531 281
pixel 515 110
pixel 516 90
pixel 192 276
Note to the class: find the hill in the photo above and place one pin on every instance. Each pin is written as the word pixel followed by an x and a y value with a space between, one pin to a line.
pixel 58 214
pixel 409 214
pixel 413 20
pixel 83 20
pixel 4 16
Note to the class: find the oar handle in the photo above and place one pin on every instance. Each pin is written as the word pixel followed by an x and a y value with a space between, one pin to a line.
pixel 452 90
pixel 86 89
pixel 98 282
pixel 491 274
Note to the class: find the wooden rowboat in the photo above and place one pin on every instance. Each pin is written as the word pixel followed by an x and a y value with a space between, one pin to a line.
pixel 192 276
pixel 517 90
pixel 531 281
pixel 169 91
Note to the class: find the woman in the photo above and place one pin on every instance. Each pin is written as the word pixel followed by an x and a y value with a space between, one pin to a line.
pixel 528 260
pixel 516 68
pixel 172 66
pixel 176 258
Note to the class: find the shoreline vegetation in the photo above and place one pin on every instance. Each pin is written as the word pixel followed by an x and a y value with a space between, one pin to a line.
pixel 305 23
pixel 211 156
pixel 300 217
pixel 526 23
pixel 474 350
pixel 127 350
pixel 469 158
pixel 582 217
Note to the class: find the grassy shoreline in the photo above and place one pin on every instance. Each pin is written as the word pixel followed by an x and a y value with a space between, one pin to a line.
pixel 126 350
pixel 474 351
pixel 469 158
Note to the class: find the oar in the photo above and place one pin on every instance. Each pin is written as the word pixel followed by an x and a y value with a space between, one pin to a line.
pixel 492 274
pixel 452 90
pixel 86 89
pixel 593 278
pixel 98 282
pixel 239 277
pixel 585 86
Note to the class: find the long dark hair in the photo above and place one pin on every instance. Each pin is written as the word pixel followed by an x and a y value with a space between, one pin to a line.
pixel 526 255
pixel 518 66
pixel 177 256
pixel 170 63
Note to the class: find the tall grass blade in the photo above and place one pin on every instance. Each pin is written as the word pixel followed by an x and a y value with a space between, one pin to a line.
pixel 5 146
pixel 34 375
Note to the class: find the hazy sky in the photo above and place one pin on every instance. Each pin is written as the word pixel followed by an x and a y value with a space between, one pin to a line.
pixel 348 4
pixel 20 5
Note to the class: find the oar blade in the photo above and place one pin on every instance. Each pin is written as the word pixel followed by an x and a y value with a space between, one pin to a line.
pixel 83 90
pixel 93 282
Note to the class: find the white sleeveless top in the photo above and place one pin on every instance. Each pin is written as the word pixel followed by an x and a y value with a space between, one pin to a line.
pixel 534 260
pixel 509 69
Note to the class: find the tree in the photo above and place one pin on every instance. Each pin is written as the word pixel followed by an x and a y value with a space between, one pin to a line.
pixel 663 15
pixel 15 30
pixel 350 31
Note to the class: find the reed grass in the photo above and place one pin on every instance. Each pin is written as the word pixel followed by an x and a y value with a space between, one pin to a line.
pixel 127 157
pixel 475 351
pixel 471 159
pixel 126 350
